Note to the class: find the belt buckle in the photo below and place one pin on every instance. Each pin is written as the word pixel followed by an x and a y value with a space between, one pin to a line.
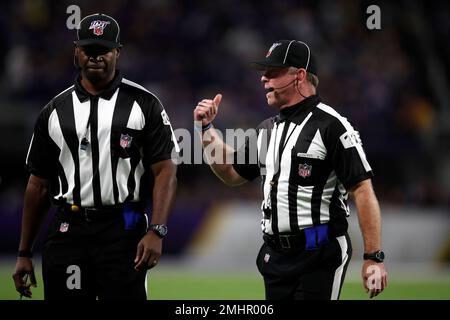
pixel 284 241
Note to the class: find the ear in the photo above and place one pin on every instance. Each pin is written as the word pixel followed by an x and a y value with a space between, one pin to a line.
pixel 76 54
pixel 117 53
pixel 301 75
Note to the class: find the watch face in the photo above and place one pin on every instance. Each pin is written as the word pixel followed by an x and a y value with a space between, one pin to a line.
pixel 162 230
pixel 380 255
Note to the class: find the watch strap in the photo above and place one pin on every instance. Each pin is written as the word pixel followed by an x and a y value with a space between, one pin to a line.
pixel 377 256
pixel 25 254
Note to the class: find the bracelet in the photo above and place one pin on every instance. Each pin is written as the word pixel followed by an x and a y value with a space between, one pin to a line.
pixel 208 126
pixel 25 254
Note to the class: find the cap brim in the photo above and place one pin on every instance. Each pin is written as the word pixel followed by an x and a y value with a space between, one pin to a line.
pixel 99 42
pixel 263 65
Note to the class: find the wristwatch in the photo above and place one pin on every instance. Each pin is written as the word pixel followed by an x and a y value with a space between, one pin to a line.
pixel 377 256
pixel 159 229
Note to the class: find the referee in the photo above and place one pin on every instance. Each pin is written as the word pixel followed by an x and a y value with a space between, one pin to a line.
pixel 98 150
pixel 309 159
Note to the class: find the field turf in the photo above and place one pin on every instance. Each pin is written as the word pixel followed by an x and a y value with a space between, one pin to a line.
pixel 170 285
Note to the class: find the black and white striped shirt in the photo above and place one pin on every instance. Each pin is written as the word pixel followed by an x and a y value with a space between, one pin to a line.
pixel 128 130
pixel 320 157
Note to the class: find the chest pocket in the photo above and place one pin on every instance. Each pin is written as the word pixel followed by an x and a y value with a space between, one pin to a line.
pixel 128 142
pixel 308 169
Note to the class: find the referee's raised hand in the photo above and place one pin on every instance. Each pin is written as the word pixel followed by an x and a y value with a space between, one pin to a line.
pixel 206 110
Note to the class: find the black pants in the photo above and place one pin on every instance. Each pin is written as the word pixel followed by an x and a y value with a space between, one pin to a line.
pixel 92 259
pixel 305 274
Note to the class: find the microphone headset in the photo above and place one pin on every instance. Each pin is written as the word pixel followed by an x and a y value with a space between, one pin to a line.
pixel 282 87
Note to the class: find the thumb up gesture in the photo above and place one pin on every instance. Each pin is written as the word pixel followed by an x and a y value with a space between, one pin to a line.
pixel 206 110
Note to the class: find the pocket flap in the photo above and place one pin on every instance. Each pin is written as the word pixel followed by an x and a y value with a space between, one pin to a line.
pixel 311 156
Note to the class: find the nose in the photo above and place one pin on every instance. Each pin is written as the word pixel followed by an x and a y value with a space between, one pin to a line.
pixel 95 58
pixel 264 79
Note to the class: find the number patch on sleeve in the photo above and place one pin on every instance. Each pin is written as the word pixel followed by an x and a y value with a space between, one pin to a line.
pixel 165 118
pixel 350 139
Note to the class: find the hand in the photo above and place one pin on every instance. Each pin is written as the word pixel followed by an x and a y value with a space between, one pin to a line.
pixel 374 277
pixel 148 251
pixel 206 109
pixel 24 271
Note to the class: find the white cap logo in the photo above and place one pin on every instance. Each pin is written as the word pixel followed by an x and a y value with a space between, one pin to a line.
pixel 276 44
pixel 98 26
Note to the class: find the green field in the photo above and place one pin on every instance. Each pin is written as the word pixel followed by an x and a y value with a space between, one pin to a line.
pixel 170 285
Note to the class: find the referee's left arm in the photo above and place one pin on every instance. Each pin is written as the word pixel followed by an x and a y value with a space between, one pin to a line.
pixel 369 217
pixel 164 190
pixel 159 141
pixel 149 249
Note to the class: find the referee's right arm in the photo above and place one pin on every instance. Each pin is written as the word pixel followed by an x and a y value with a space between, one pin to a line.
pixel 36 205
pixel 35 208
pixel 36 199
pixel 41 166
pixel 205 112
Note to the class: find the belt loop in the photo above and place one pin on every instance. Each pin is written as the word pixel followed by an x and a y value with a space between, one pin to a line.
pixel 86 216
pixel 286 244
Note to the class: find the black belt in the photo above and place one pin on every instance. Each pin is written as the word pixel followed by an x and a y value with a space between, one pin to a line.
pixel 310 238
pixel 93 213
pixel 286 241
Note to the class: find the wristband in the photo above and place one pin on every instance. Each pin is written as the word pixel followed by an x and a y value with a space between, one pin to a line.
pixel 25 254
pixel 206 127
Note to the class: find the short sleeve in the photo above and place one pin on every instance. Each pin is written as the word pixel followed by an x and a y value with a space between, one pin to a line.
pixel 347 154
pixel 39 160
pixel 159 140
pixel 245 163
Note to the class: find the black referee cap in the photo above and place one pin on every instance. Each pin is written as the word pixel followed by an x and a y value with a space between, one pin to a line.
pixel 98 29
pixel 288 53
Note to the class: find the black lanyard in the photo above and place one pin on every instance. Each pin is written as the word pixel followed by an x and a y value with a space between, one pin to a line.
pixel 93 105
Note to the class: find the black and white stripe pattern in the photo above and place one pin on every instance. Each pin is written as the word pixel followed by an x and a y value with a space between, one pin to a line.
pixel 321 157
pixel 338 280
pixel 106 173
